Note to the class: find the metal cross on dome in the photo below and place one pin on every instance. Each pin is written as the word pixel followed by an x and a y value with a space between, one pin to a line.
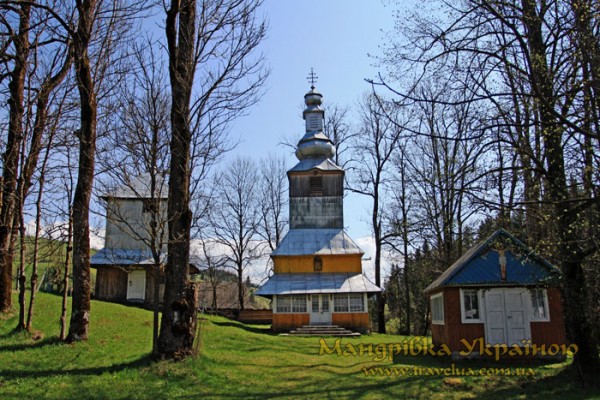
pixel 312 78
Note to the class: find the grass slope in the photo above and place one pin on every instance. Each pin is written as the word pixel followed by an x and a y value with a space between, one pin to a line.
pixel 236 361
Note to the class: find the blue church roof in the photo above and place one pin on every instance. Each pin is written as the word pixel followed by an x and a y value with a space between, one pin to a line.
pixel 480 266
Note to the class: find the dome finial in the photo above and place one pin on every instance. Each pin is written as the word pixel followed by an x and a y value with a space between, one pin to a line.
pixel 314 144
pixel 312 78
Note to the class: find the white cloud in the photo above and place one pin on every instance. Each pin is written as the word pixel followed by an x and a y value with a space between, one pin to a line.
pixel 97 238
pixel 257 270
pixel 58 231
pixel 367 244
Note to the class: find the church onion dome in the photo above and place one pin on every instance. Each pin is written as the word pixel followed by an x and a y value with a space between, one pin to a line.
pixel 314 144
pixel 313 98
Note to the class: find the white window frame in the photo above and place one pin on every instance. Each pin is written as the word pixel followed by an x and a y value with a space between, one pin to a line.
pixel 278 302
pixel 356 296
pixel 463 312
pixel 340 296
pixel 299 305
pixel 290 307
pixel 546 318
pixel 432 299
pixel 348 309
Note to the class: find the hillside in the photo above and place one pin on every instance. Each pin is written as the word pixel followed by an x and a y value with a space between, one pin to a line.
pixel 235 361
pixel 51 259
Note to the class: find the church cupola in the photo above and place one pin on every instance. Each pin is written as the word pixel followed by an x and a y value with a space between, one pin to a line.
pixel 316 182
pixel 314 143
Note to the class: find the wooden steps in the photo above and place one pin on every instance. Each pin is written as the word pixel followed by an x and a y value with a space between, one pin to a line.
pixel 323 330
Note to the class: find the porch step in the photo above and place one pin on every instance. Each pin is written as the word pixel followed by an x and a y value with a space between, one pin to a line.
pixel 323 330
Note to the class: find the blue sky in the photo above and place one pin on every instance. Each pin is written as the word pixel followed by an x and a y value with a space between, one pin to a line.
pixel 336 38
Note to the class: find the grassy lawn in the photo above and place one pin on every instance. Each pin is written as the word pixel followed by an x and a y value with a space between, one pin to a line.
pixel 236 361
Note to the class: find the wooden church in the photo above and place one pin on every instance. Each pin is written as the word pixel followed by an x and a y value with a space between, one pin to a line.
pixel 318 277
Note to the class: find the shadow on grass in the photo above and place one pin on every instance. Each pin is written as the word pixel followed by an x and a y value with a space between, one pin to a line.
pixel 565 385
pixel 247 328
pixel 420 360
pixel 29 346
pixel 320 389
pixel 141 362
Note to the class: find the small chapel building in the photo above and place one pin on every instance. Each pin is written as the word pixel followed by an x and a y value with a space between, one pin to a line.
pixel 499 292
pixel 125 267
pixel 318 277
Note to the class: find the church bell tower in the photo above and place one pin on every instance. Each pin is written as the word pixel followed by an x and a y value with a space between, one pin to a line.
pixel 316 183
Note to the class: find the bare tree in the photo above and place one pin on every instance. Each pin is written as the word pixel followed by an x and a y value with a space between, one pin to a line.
pixel 337 128
pixel 236 218
pixel 214 266
pixel 273 200
pixel 69 185
pixel 400 220
pixel 222 37
pixel 53 128
pixel 20 43
pixel 82 37
pixel 135 157
pixel 373 152
pixel 59 219
pixel 100 26
pixel 448 145
pixel 57 69
pixel 526 61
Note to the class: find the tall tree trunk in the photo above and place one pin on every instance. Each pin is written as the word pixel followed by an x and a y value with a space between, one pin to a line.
pixel 80 311
pixel 407 269
pixel 574 286
pixel 22 281
pixel 214 303
pixel 65 294
pixel 36 242
pixel 404 234
pixel 156 308
pixel 11 155
pixel 375 220
pixel 240 282
pixel 380 295
pixel 178 327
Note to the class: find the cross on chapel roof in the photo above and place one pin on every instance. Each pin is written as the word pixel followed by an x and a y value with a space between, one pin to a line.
pixel 312 78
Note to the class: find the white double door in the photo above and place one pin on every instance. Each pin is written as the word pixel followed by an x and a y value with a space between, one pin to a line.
pixel 507 316
pixel 320 309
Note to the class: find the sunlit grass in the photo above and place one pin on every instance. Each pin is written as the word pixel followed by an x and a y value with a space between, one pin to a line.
pixel 235 361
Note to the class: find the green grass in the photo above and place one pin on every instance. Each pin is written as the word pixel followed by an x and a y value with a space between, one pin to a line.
pixel 51 254
pixel 236 361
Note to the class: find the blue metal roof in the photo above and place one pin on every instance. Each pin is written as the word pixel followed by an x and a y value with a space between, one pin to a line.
pixel 285 284
pixel 108 256
pixel 485 269
pixel 316 242
pixel 127 257
pixel 481 266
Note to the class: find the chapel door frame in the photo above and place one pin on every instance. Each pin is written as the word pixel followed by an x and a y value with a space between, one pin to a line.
pixel 320 309
pixel 508 316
